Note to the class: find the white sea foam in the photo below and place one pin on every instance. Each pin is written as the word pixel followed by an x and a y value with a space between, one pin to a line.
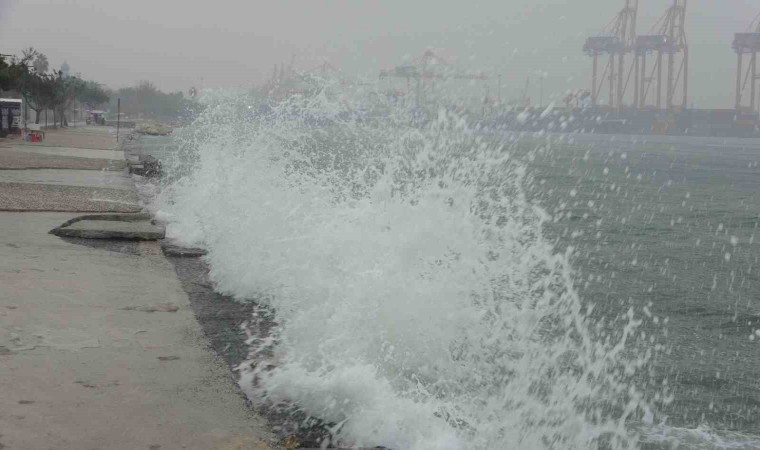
pixel 701 438
pixel 420 304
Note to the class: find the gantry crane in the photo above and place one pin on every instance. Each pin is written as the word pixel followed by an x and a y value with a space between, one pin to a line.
pixel 425 70
pixel 669 38
pixel 747 43
pixel 616 40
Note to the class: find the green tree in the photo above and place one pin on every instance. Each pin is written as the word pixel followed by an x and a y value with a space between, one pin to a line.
pixel 12 72
pixel 93 94
pixel 146 100
pixel 40 63
pixel 69 90
pixel 37 88
pixel 42 90
pixel 73 88
pixel 6 78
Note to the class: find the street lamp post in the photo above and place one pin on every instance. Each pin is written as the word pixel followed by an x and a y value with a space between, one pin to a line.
pixel 499 89
pixel 541 77
pixel 118 117
pixel 542 92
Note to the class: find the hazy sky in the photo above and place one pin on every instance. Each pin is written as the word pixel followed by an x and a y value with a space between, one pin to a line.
pixel 226 43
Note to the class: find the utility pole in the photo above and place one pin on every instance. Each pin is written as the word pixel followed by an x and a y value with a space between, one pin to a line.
pixel 499 89
pixel 541 100
pixel 118 117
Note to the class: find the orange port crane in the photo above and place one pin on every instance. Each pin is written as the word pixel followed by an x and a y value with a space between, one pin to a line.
pixel 747 43
pixel 669 38
pixel 616 40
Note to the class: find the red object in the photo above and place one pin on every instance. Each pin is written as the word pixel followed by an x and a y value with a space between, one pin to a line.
pixel 36 138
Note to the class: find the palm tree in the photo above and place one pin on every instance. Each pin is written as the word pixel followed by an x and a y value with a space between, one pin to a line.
pixel 40 63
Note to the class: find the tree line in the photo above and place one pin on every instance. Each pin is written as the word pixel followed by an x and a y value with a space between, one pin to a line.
pixel 43 89
pixel 145 100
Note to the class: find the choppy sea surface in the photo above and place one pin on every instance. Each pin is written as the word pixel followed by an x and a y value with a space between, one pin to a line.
pixel 672 226
pixel 442 287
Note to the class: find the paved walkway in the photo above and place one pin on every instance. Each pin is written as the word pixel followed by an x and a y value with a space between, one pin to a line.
pixel 98 347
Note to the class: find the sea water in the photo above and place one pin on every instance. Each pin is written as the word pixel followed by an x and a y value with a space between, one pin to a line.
pixel 437 285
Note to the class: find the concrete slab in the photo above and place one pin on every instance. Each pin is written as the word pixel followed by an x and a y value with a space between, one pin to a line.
pixel 83 363
pixel 45 197
pixel 66 151
pixel 82 178
pixel 172 249
pixel 11 159
pixel 112 229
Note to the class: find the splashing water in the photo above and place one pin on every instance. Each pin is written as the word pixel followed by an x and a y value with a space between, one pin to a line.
pixel 419 303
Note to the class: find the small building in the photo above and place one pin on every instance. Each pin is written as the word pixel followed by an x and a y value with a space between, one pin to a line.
pixel 10 116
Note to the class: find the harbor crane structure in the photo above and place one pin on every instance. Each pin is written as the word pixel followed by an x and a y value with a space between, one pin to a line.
pixel 425 70
pixel 616 40
pixel 747 43
pixel 668 39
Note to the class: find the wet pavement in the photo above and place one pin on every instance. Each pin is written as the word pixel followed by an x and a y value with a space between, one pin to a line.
pixel 99 346
pixel 51 177
pixel 71 152
pixel 47 197
pixel 14 159
pixel 81 178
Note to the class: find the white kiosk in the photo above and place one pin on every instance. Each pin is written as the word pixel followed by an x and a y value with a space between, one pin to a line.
pixel 10 116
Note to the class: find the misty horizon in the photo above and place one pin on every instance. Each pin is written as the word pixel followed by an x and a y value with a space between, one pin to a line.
pixel 228 44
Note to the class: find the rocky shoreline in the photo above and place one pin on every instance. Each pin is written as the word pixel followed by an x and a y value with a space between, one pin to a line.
pixel 228 325
pixel 152 129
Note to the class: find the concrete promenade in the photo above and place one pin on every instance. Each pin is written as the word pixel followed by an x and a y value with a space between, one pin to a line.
pixel 99 348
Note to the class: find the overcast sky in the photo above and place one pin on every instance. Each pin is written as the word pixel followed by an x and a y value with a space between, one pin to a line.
pixel 235 43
